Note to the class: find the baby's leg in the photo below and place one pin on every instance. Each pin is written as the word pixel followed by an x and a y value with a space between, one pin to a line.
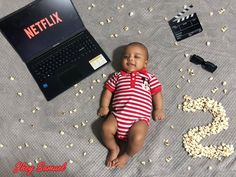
pixel 136 138
pixel 109 129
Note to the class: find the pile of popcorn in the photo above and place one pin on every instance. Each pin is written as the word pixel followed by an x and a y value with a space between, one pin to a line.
pixel 193 137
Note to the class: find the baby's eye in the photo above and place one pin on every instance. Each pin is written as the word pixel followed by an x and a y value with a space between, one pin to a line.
pixel 137 56
pixel 125 56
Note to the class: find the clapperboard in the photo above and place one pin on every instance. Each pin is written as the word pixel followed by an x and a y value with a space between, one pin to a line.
pixel 184 27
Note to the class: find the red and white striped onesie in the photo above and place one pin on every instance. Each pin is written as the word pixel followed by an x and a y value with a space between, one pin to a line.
pixel 132 98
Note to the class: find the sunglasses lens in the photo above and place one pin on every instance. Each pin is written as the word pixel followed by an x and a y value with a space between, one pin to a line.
pixel 209 66
pixel 197 60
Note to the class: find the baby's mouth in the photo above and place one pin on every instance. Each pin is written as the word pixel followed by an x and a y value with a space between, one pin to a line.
pixel 131 64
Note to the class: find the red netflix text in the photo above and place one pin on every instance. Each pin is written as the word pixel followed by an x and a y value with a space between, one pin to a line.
pixel 41 25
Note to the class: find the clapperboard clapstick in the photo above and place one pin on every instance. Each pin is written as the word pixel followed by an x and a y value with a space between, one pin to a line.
pixel 184 27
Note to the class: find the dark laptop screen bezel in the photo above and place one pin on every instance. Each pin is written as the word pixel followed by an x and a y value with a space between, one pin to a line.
pixel 27 58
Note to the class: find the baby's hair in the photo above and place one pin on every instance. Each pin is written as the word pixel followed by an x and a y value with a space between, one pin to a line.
pixel 140 45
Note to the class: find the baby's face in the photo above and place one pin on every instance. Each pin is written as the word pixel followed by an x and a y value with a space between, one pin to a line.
pixel 134 59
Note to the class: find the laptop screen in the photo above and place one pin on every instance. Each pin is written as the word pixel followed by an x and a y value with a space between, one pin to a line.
pixel 36 28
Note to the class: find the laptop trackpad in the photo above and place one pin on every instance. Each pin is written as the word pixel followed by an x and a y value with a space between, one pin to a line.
pixel 71 76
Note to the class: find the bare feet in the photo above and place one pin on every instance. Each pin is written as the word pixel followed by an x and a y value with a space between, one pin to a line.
pixel 121 161
pixel 111 156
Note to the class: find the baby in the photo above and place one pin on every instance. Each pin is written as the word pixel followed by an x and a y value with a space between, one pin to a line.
pixel 134 91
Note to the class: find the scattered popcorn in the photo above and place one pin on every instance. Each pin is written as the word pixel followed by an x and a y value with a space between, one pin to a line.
pixel 67 146
pixel 19 93
pixel 81 91
pixel 210 168
pixel 179 106
pixel 176 43
pixel 192 139
pixel 215 90
pixel 112 36
pixel 208 43
pixel 71 112
pixel 93 5
pixel 62 132
pixel 1 145
pixel 11 78
pixel 91 87
pixel 210 78
pixel 36 161
pixel 93 97
pixel 94 81
pixel 89 8
pixel 71 145
pixel 181 69
pixel 182 77
pixel 45 146
pixel 21 121
pixel 26 145
pixel 76 126
pixel 168 159
pixel 98 80
pixel 178 86
pixel 186 55
pixel 166 142
pixel 126 28
pixel 108 20
pixel 122 6
pixel 37 108
pixel 77 94
pixel 188 80
pixel 86 121
pixel 172 127
pixel 150 9
pixel 91 141
pixel 166 19
pixel 83 124
pixel 225 91
pixel 30 163
pixel 84 153
pixel 101 23
pixel 143 163
pixel 131 14
pixel 75 110
pixel 221 11
pixel 116 35
pixel 224 29
pixel 104 75
pixel 211 13
pixel 139 32
pixel 189 168
pixel 224 83
pixel 70 161
pixel 150 160
pixel 76 85
pixel 118 7
pixel 185 7
pixel 19 147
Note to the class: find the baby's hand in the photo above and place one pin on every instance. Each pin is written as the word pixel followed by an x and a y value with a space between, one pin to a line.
pixel 103 111
pixel 158 114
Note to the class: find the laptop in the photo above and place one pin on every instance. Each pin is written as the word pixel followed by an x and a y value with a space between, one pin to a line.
pixel 53 42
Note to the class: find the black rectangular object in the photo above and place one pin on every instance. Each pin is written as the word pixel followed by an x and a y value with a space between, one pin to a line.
pixel 185 27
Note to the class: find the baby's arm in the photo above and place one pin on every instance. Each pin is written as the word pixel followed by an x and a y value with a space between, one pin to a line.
pixel 105 102
pixel 158 104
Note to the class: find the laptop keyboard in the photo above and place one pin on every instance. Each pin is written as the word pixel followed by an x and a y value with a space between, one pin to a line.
pixel 68 53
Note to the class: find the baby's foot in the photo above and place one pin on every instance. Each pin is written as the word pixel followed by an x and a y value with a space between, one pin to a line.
pixel 121 161
pixel 111 156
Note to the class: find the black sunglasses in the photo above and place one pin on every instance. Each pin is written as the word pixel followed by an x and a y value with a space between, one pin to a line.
pixel 205 64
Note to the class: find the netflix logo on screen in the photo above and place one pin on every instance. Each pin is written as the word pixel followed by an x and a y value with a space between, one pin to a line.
pixel 42 25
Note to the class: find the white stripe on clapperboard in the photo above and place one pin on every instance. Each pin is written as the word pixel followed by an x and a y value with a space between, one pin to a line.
pixel 178 16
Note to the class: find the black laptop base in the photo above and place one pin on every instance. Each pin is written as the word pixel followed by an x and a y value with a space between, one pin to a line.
pixel 54 70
